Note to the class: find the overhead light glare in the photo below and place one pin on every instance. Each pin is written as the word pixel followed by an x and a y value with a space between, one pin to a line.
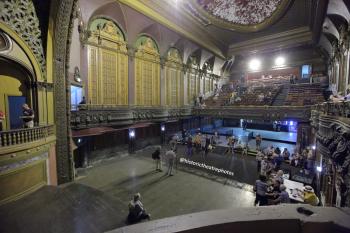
pixel 280 61
pixel 254 64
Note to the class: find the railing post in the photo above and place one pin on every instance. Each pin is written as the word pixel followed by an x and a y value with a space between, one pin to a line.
pixel 14 137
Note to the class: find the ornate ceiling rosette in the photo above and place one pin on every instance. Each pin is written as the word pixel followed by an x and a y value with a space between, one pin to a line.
pixel 241 15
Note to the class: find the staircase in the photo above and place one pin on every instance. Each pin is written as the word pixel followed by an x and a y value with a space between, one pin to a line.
pixel 281 97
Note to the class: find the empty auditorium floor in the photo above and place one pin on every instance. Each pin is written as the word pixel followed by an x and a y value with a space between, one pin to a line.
pixel 97 201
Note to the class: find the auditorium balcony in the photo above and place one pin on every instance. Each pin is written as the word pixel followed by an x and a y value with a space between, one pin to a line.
pixel 27 161
pixel 89 115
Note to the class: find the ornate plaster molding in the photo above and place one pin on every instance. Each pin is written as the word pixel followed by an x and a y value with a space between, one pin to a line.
pixel 20 16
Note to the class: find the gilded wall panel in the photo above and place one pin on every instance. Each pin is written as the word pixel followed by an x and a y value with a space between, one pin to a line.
pixel 108 64
pixel 174 78
pixel 123 80
pixel 93 75
pixel 108 76
pixel 147 72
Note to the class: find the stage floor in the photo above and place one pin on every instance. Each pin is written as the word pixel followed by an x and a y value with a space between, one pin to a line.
pixel 289 137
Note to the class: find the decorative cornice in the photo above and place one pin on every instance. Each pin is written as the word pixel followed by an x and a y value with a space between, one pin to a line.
pixel 285 39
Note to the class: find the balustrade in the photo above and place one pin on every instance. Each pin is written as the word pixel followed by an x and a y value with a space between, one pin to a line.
pixel 341 109
pixel 21 136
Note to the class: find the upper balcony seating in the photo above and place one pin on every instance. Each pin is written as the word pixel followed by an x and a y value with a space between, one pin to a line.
pixel 304 94
pixel 270 81
pixel 262 95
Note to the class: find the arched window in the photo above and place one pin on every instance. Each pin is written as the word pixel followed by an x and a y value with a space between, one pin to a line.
pixel 107 64
pixel 147 72
pixel 174 83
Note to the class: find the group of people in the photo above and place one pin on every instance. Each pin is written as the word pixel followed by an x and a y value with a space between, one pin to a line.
pixel 200 143
pixel 169 157
pixel 270 190
pixel 269 187
pixel 272 158
pixel 27 117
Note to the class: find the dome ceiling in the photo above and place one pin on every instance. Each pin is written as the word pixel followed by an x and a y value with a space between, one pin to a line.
pixel 239 15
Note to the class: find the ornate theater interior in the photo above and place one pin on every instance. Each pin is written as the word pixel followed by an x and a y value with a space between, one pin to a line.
pixel 174 116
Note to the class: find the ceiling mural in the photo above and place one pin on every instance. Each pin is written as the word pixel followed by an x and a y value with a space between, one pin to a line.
pixel 244 15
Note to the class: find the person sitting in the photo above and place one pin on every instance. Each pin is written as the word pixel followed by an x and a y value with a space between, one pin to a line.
pixel 336 98
pixel 283 196
pixel 136 211
pixel 295 160
pixel 309 196
pixel 83 101
pixel 347 96
pixel 285 154
pixel 279 176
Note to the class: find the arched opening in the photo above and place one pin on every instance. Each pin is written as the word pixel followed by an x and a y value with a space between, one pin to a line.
pixel 17 89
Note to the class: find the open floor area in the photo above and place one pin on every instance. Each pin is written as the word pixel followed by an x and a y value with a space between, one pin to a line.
pixel 98 200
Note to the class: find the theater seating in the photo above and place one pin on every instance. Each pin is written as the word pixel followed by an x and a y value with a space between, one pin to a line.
pixel 304 94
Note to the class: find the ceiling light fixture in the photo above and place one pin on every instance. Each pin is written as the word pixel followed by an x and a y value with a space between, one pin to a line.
pixel 254 64
pixel 280 61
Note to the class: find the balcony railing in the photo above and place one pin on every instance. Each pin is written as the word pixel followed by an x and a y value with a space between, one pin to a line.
pixel 340 109
pixel 112 115
pixel 268 113
pixel 27 135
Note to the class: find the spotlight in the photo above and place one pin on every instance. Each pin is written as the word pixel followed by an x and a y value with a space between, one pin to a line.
pixel 313 147
pixel 79 140
pixel 291 123
pixel 131 133
pixel 254 64
pixel 319 168
pixel 162 128
pixel 279 61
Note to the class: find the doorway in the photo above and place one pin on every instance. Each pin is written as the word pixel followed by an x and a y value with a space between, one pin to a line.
pixel 15 111
pixel 76 96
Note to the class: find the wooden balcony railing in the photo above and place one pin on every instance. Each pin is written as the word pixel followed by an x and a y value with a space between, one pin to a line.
pixel 21 136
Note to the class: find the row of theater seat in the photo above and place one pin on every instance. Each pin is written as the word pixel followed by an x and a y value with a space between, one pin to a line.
pixel 298 95
pixel 304 94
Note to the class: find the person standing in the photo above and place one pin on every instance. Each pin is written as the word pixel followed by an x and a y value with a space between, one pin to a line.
pixel 258 140
pixel 171 157
pixel 2 118
pixel 260 191
pixel 189 147
pixel 28 116
pixel 259 157
pixel 157 159
pixel 206 146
